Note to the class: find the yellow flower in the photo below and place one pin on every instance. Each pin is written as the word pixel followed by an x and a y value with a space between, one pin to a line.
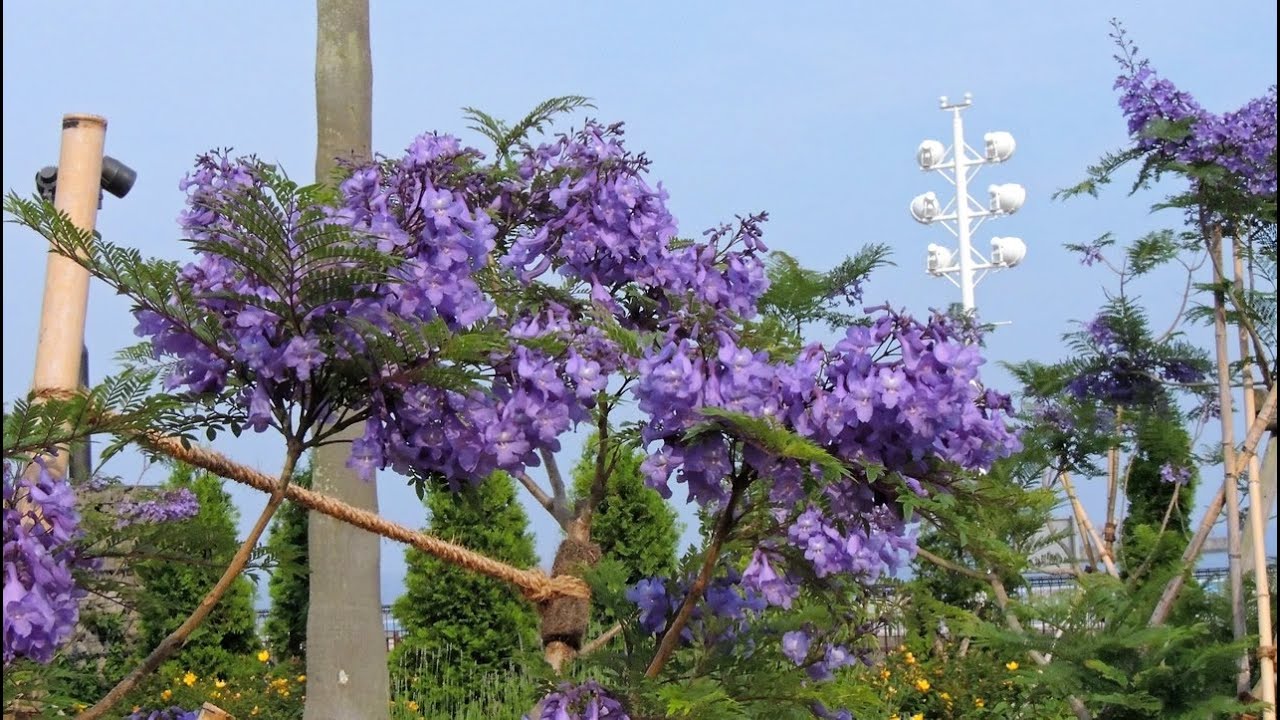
pixel 254 711
pixel 894 717
pixel 979 702
pixel 911 659
pixel 918 716
pixel 945 696
pixel 236 696
pixel 166 694
pixel 412 705
pixel 1011 665
pixel 189 679
pixel 922 685
pixel 302 678
pixel 219 683
pixel 885 674
pixel 263 656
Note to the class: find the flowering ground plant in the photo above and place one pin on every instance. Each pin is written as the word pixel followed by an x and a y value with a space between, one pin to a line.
pixel 258 685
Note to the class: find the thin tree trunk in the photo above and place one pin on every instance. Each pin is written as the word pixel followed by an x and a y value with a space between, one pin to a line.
pixel 1257 521
pixel 1226 411
pixel 346 647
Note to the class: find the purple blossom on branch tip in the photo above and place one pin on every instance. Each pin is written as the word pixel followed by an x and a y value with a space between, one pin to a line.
pixel 1242 142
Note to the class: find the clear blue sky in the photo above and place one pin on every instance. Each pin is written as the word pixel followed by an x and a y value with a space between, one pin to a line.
pixel 811 111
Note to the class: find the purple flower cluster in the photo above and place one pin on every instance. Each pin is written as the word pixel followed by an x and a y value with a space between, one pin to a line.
pixel 586 701
pixel 820 663
pixel 41 598
pixel 1243 141
pixel 1054 415
pixel 169 506
pixel 900 394
pixel 1126 369
pixel 727 608
pixel 732 604
pixel 581 205
pixel 602 224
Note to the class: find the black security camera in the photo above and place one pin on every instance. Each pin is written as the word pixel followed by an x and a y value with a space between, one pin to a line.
pixel 117 179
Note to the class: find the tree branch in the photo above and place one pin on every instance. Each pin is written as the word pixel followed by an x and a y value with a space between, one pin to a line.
pixel 602 640
pixel 539 495
pixel 599 482
pixel 671 637
pixel 559 498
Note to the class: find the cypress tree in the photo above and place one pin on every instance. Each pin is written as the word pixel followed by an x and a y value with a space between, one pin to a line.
pixel 1162 443
pixel 464 624
pixel 633 524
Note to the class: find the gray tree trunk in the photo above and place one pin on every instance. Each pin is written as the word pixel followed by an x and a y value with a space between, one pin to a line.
pixel 347 675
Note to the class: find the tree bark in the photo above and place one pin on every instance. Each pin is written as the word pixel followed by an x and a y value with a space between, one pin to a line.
pixel 346 644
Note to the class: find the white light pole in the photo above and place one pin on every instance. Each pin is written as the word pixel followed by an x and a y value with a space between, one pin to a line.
pixel 961 216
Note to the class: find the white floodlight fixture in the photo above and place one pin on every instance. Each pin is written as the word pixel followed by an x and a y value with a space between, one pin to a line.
pixel 1000 146
pixel 924 208
pixel 929 154
pixel 939 259
pixel 1007 251
pixel 1007 198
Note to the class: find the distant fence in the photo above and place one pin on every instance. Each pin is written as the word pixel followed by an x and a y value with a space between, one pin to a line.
pixel 891 635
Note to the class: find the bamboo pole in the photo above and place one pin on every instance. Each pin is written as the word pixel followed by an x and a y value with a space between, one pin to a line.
pixel 1257 521
pixel 1103 551
pixel 1266 417
pixel 1238 625
pixel 1268 479
pixel 66 284
pixel 1113 486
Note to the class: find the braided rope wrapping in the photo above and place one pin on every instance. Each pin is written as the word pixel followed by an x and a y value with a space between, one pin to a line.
pixel 536 585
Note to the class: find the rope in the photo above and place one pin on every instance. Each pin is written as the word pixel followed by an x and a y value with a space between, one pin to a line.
pixel 535 585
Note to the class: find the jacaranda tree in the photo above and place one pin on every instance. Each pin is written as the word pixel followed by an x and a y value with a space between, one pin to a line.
pixel 471 310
